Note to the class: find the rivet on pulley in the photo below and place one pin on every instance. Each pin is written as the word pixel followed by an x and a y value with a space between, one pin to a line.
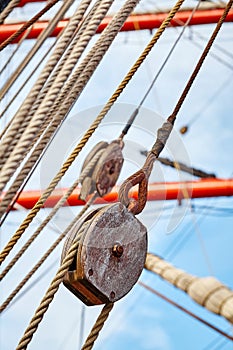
pixel 110 256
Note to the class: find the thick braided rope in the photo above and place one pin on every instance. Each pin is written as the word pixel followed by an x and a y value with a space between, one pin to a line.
pixel 42 37
pixel 66 55
pixel 45 112
pixel 86 136
pixel 28 24
pixel 139 61
pixel 115 25
pixel 83 66
pixel 40 40
pixel 8 9
pixel 97 327
pixel 201 60
pixel 45 256
pixel 17 133
pixel 43 57
pixel 28 138
pixel 49 295
pixel 23 116
pixel 61 201
pixel 48 84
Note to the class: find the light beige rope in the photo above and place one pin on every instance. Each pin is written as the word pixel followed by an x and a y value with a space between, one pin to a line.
pixel 115 25
pixel 47 112
pixel 8 9
pixel 88 134
pixel 206 291
pixel 28 139
pixel 27 24
pixel 49 83
pixel 76 36
pixel 23 116
pixel 40 40
pixel 37 317
pixel 45 256
pixel 97 327
pixel 42 59
pixel 53 288
pixel 51 214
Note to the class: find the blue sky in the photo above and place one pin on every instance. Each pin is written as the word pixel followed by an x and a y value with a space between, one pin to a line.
pixel 140 320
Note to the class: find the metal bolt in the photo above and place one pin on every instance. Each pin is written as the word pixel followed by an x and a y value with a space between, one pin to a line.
pixel 90 272
pixel 117 250
pixel 112 295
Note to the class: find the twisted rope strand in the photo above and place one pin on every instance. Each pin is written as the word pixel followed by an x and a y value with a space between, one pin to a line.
pixel 8 9
pixel 46 111
pixel 28 139
pixel 51 214
pixel 40 40
pixel 23 116
pixel 45 256
pixel 97 327
pixel 28 24
pixel 140 60
pixel 49 295
pixel 201 60
pixel 40 311
pixel 66 165
pixel 76 36
pixel 49 83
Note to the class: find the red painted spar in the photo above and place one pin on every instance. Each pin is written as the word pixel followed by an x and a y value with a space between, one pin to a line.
pixel 24 2
pixel 134 22
pixel 157 191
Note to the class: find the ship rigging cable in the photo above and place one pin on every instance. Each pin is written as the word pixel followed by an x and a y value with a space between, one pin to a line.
pixel 40 40
pixel 176 110
pixel 7 7
pixel 165 131
pixel 125 130
pixel 29 333
pixel 51 215
pixel 55 209
pixel 141 177
pixel 32 102
pixel 160 295
pixel 134 114
pixel 28 24
pixel 87 135
pixel 45 111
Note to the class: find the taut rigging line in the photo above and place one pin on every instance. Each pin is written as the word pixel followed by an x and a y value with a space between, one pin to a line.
pixel 172 302
pixel 28 334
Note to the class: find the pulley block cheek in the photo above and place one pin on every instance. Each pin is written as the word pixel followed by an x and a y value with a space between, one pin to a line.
pixel 108 168
pixel 88 184
pixel 105 172
pixel 110 256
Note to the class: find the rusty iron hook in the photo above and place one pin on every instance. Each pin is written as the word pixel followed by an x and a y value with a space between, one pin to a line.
pixel 139 178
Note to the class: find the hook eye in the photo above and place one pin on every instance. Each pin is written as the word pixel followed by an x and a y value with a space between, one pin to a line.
pixel 134 205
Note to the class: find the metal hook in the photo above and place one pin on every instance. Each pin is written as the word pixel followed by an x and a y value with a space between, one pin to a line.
pixel 140 178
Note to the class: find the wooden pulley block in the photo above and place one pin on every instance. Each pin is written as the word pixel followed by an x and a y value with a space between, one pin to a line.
pixel 88 183
pixel 110 256
pixel 105 172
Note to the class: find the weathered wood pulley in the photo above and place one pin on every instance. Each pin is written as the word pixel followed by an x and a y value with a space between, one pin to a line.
pixel 104 174
pixel 110 256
